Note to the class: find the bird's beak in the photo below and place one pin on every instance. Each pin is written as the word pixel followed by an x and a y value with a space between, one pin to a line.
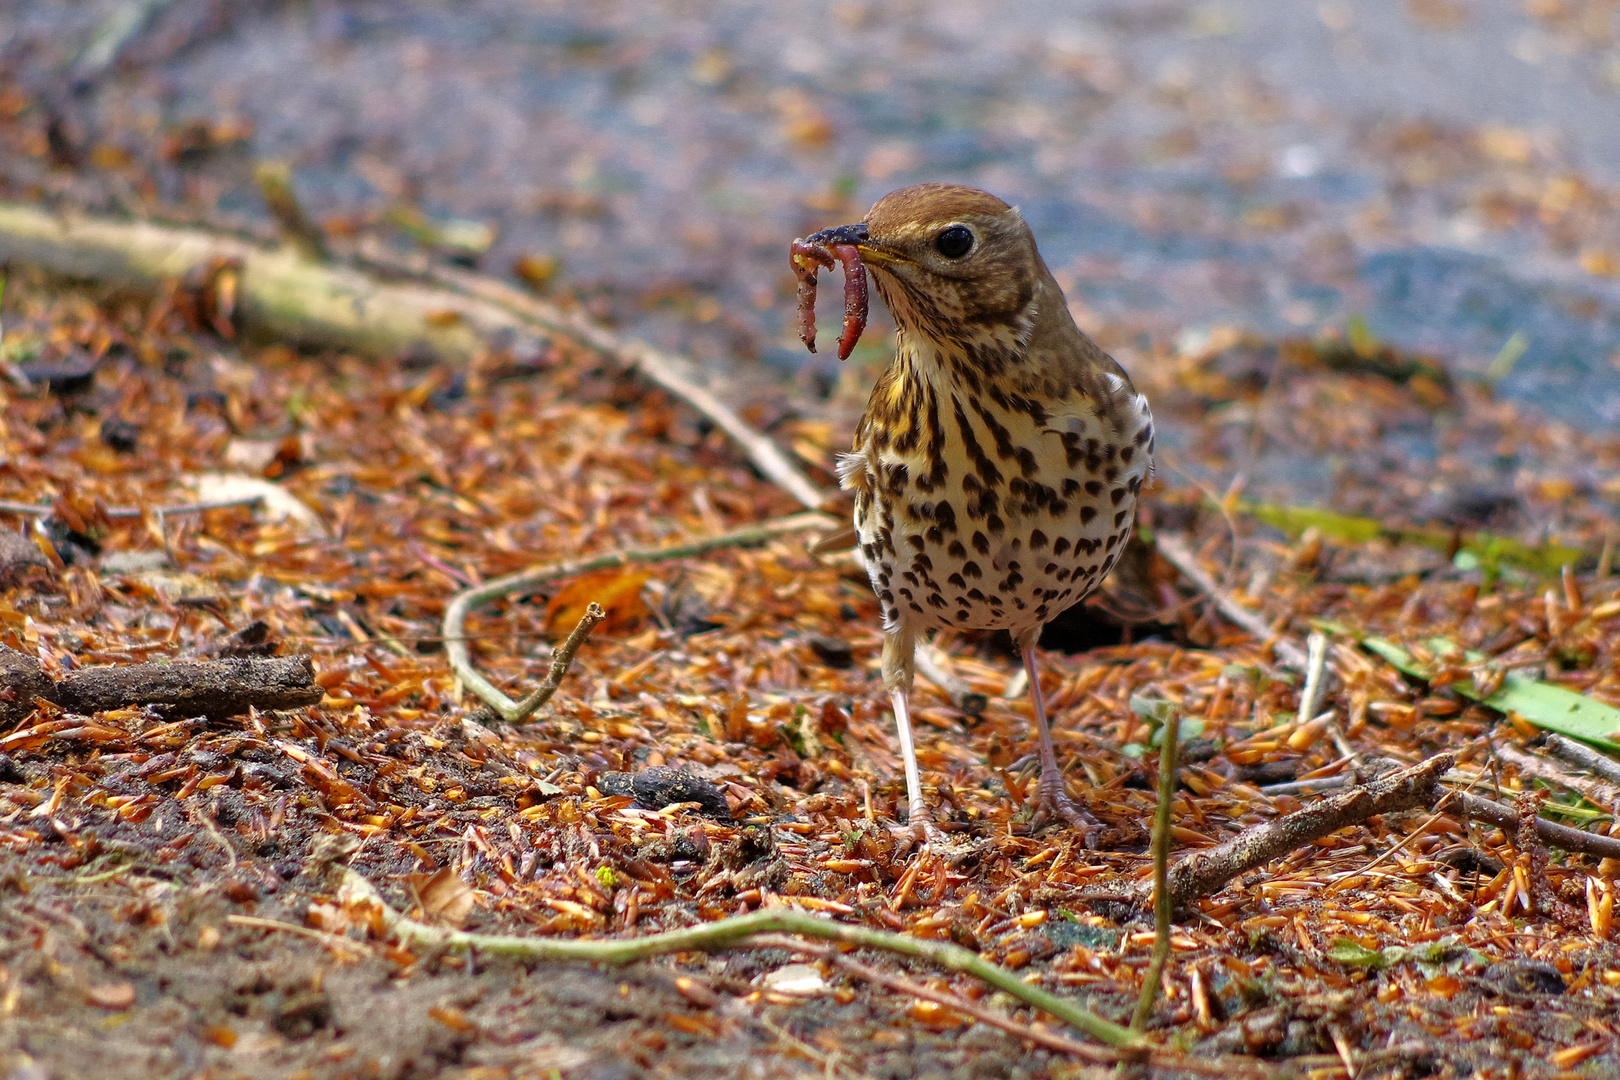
pixel 855 235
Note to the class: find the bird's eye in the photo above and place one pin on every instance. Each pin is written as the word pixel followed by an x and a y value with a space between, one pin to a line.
pixel 954 241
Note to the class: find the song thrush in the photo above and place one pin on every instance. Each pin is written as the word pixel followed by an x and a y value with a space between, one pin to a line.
pixel 997 467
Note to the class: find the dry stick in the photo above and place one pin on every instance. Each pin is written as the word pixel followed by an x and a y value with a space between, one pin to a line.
pixel 954 687
pixel 659 366
pixel 524 581
pixel 1537 768
pixel 1315 664
pixel 1177 553
pixel 330 940
pixel 1585 757
pixel 1226 1067
pixel 45 509
pixel 226 687
pixel 1204 872
pixel 1577 841
pixel 1507 819
pixel 275 185
pixel 560 660
pixel 727 932
pixel 1163 908
pixel 962 1005
pixel 377 311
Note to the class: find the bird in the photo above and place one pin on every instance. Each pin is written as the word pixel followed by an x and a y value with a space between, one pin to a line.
pixel 997 467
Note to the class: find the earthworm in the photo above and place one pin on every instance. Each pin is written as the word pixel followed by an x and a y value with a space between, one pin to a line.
pixel 807 259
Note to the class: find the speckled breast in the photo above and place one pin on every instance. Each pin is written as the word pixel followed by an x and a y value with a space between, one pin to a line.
pixel 999 518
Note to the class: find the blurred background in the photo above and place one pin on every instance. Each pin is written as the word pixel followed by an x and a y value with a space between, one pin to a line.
pixel 1361 252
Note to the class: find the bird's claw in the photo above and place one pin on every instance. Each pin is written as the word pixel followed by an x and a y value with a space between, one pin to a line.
pixel 1051 801
pixel 920 833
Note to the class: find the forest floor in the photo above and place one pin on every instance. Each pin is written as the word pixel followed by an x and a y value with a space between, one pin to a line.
pixel 163 887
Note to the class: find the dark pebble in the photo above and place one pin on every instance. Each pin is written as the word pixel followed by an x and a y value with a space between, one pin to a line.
pixel 657 786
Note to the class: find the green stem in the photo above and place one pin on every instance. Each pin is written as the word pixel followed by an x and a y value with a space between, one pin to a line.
pixel 1162 901
pixel 724 932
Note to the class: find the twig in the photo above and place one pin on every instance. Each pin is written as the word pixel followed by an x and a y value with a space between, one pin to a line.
pixel 1482 809
pixel 1585 757
pixel 226 687
pixel 903 985
pixel 1203 872
pixel 1315 664
pixel 325 937
pixel 657 365
pixel 46 509
pixel 525 581
pixel 731 931
pixel 378 311
pixel 560 660
pixel 1542 896
pixel 1507 819
pixel 1224 1067
pixel 275 185
pixel 1529 765
pixel 1178 555
pixel 1163 908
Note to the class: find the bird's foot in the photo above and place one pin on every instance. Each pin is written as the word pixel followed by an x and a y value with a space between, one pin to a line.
pixel 1051 801
pixel 920 832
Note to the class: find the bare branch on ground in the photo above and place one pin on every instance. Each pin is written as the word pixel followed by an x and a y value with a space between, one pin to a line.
pixel 1204 872
pixel 730 932
pixel 226 687
pixel 287 295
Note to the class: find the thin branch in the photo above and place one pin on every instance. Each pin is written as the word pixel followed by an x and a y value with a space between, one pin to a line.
pixel 1315 665
pixel 1203 872
pixel 378 310
pixel 1598 792
pixel 1507 819
pixel 954 687
pixel 526 581
pixel 903 985
pixel 1479 808
pixel 1178 555
pixel 356 890
pixel 1162 904
pixel 46 509
pixel 560 661
pixel 275 186
pixel 661 367
pixel 1585 757
pixel 330 940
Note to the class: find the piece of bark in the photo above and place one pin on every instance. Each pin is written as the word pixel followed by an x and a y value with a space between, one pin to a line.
pixel 21 681
pixel 1203 872
pixel 214 688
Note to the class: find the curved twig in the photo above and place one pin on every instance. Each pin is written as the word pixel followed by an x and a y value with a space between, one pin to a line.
pixel 525 581
pixel 731 931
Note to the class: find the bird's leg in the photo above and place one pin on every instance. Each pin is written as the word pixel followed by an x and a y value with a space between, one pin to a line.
pixel 899 658
pixel 1050 798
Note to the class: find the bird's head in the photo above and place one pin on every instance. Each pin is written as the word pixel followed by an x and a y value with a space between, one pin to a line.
pixel 951 262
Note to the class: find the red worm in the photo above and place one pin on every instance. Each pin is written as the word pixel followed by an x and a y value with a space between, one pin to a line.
pixel 807 259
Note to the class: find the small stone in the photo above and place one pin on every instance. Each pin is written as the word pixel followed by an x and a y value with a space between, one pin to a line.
pixel 832 651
